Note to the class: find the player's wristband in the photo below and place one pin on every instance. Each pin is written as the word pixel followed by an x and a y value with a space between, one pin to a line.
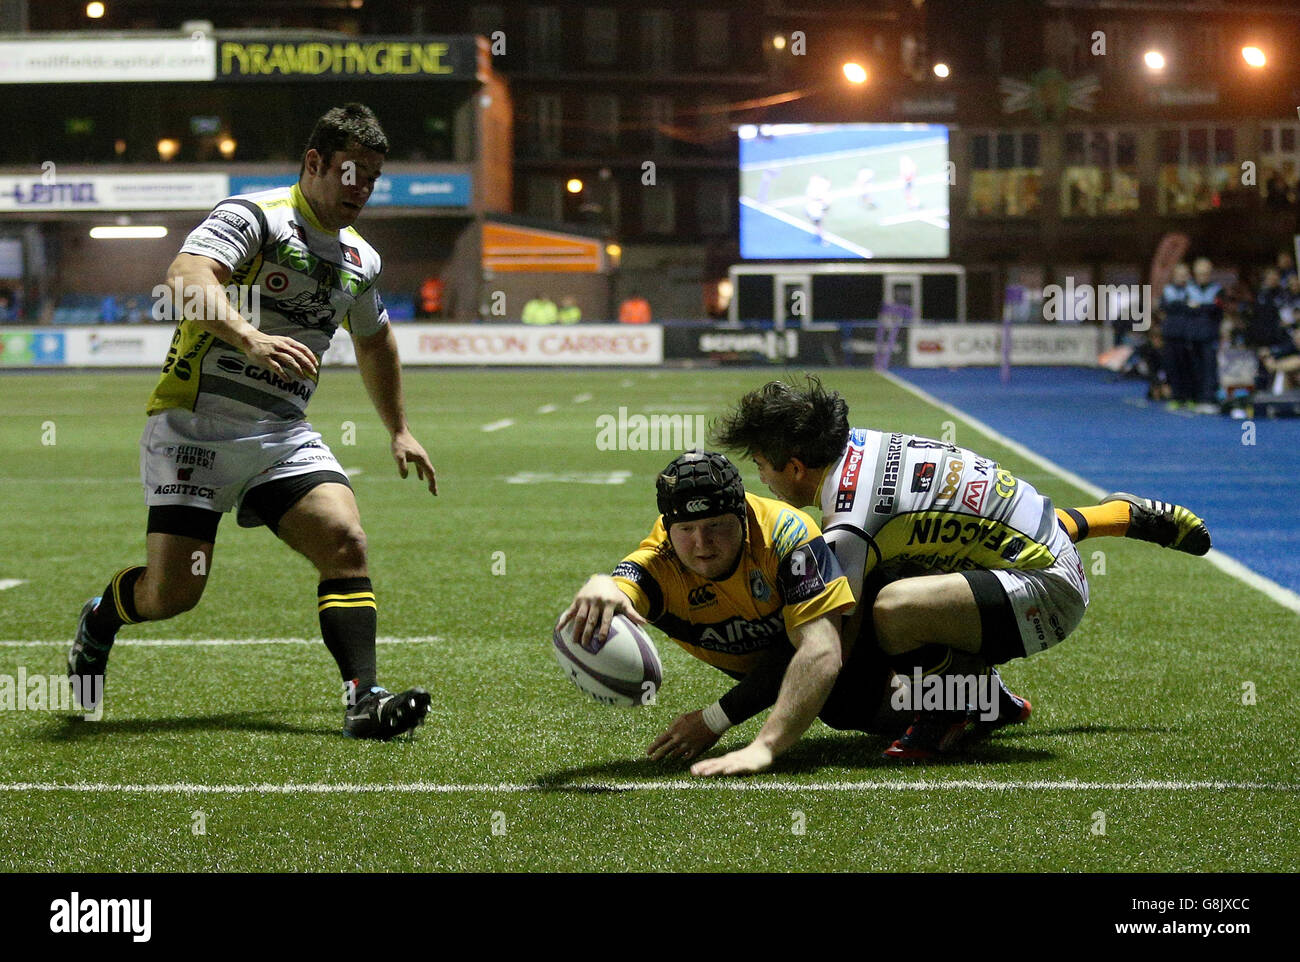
pixel 716 718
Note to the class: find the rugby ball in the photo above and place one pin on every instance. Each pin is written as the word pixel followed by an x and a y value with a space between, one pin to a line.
pixel 624 671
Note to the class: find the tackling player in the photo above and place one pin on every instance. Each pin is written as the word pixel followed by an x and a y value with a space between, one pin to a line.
pixel 976 560
pixel 227 429
pixel 747 585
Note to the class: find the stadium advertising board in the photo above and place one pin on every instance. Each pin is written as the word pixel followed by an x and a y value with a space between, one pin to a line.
pixel 595 344
pixel 74 191
pixel 732 345
pixel 843 191
pixel 115 60
pixel 365 58
pixel 391 190
pixel 958 345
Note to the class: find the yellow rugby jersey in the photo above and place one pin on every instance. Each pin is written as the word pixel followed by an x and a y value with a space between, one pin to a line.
pixel 786 577
pixel 308 281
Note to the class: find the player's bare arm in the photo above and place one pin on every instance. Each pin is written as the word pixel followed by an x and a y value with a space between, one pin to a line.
pixel 808 681
pixel 282 356
pixel 381 372
pixel 594 607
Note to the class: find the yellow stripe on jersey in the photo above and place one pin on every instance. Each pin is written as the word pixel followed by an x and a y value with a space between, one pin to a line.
pixel 178 385
pixel 953 541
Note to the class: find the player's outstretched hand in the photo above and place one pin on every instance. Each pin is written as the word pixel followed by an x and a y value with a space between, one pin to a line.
pixel 408 451
pixel 687 737
pixel 754 757
pixel 593 610
pixel 282 356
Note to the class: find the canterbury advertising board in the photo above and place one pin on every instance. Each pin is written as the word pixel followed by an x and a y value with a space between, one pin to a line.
pixel 614 345
pixel 961 345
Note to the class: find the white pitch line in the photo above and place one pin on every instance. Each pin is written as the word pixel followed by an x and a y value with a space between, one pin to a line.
pixel 582 398
pixel 212 642
pixel 6 583
pixel 498 425
pixel 674 785
pixel 548 409
pixel 1228 565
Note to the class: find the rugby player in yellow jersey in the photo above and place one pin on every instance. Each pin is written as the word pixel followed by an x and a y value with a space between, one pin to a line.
pixel 747 585
pixel 227 429
pixel 980 568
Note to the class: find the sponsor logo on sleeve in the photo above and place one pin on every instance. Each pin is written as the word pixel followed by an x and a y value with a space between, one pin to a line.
pixel 950 481
pixel 848 489
pixel 351 255
pixel 630 572
pixel 973 497
pixel 922 477
pixel 888 487
pixel 803 577
pixel 787 533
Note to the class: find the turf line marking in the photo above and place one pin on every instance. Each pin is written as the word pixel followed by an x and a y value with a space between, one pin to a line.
pixel 582 398
pixel 675 785
pixel 498 425
pixel 1228 565
pixel 828 236
pixel 6 583
pixel 211 642
pixel 548 409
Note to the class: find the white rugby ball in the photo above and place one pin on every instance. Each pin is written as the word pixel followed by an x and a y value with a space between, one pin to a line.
pixel 625 671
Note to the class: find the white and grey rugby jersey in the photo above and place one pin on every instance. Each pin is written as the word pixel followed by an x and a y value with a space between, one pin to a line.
pixel 307 281
pixel 906 505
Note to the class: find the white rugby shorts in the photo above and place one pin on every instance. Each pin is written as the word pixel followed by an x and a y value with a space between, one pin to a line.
pixel 212 462
pixel 1048 603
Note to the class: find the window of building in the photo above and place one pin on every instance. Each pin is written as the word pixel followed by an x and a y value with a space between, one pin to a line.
pixel 547 124
pixel 1278 176
pixel 600 35
pixel 487 18
pixel 659 119
pixel 545 38
pixel 658 208
pixel 1195 168
pixel 1099 174
pixel 601 135
pixel 656 41
pixel 545 197
pixel 712 41
pixel 713 205
pixel 1006 176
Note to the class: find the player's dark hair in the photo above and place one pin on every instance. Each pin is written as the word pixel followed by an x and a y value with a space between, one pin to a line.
pixel 340 125
pixel 782 421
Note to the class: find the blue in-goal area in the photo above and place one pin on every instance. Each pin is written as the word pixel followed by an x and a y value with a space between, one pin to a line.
pixel 1107 433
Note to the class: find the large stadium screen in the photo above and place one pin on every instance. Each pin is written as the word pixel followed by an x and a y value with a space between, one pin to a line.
pixel 841 191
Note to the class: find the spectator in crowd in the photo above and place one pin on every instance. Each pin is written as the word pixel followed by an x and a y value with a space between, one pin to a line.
pixel 1277 193
pixel 1286 266
pixel 428 299
pixel 570 312
pixel 540 310
pixel 1174 324
pixel 7 309
pixel 1263 325
pixel 1203 335
pixel 634 310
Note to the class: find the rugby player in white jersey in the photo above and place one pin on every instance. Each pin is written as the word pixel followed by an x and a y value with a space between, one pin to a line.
pixel 977 567
pixel 227 425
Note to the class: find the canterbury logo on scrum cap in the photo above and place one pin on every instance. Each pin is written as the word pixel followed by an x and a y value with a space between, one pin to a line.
pixel 698 505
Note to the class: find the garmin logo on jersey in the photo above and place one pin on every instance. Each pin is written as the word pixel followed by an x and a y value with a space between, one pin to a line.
pixel 849 480
pixel 888 486
pixel 299 389
pixel 128 916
